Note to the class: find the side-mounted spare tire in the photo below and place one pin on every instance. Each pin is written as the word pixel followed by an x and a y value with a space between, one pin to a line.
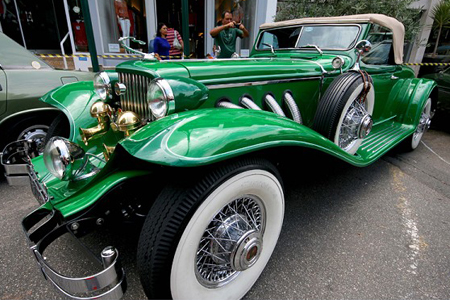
pixel 344 112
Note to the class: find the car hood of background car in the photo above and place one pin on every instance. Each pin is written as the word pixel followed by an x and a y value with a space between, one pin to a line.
pixel 233 70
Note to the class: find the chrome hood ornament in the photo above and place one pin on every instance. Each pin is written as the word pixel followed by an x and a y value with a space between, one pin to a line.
pixel 146 56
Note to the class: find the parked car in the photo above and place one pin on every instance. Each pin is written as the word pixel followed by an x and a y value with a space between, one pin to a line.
pixel 192 148
pixel 442 79
pixel 24 78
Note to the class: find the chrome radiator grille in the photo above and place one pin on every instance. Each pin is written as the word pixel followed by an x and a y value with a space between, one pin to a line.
pixel 135 96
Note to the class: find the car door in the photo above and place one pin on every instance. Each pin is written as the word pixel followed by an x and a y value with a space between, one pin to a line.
pixel 3 90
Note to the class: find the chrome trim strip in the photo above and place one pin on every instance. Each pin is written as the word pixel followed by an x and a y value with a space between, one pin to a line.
pixel 256 83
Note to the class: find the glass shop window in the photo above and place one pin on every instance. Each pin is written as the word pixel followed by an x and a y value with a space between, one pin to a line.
pixel 122 18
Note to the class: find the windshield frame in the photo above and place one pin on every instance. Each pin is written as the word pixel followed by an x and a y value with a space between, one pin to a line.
pixel 352 45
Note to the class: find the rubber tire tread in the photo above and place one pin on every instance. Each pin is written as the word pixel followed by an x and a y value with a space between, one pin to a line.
pixel 333 101
pixel 169 216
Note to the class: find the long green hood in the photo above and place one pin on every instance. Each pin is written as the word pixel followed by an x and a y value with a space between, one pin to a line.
pixel 234 70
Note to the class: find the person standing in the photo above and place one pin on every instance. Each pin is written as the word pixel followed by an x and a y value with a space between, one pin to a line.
pixel 161 46
pixel 175 52
pixel 225 35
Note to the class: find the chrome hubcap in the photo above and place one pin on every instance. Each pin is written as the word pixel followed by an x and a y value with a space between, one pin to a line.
pixel 356 124
pixel 424 122
pixel 37 134
pixel 232 242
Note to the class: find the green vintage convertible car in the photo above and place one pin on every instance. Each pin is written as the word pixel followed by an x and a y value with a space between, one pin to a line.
pixel 192 148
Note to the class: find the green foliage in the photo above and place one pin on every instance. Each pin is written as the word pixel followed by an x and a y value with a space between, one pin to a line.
pixel 441 14
pixel 399 9
pixel 441 18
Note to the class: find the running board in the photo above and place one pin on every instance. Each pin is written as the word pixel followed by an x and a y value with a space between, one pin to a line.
pixel 382 139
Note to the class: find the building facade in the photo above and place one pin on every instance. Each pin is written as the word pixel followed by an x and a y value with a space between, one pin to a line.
pixel 58 26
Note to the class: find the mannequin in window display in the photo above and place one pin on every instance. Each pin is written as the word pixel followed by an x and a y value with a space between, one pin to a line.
pixel 79 31
pixel 123 18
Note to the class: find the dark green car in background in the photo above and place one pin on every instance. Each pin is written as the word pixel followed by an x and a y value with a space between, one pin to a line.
pixel 24 78
pixel 192 149
pixel 442 78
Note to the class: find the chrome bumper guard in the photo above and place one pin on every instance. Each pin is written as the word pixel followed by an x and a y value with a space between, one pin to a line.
pixel 15 159
pixel 109 283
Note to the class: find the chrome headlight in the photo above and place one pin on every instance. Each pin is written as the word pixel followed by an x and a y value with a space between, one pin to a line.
pixel 160 98
pixel 102 85
pixel 63 158
pixel 337 62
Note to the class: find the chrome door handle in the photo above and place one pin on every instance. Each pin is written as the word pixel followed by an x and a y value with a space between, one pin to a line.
pixel 394 77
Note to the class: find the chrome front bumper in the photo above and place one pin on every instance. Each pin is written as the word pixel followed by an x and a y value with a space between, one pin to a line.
pixel 44 225
pixel 109 283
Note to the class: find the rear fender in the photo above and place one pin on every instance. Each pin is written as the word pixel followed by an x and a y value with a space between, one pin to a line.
pixel 418 91
pixel 206 136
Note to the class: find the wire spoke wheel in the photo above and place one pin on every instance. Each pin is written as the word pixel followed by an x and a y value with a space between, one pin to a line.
pixel 240 222
pixel 213 239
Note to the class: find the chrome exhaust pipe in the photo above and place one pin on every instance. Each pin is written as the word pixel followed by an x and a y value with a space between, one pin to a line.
pixel 293 108
pixel 248 103
pixel 273 105
pixel 227 104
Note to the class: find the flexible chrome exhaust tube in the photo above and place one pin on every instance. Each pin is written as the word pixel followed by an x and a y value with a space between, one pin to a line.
pixel 227 104
pixel 292 106
pixel 248 103
pixel 273 105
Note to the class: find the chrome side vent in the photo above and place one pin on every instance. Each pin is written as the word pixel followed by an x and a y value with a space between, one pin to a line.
pixel 135 96
pixel 288 100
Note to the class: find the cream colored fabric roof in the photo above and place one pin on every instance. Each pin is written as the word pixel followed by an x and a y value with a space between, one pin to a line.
pixel 397 28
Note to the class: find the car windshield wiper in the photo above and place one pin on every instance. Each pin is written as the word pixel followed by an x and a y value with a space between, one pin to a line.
pixel 313 46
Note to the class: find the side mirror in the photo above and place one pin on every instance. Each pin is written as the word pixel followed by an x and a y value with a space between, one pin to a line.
pixel 363 46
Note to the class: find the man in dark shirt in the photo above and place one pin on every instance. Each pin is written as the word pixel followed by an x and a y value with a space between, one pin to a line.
pixel 225 35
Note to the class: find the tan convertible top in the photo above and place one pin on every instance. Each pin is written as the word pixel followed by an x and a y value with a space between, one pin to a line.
pixel 397 28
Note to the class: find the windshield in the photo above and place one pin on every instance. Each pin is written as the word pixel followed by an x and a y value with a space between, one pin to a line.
pixel 328 37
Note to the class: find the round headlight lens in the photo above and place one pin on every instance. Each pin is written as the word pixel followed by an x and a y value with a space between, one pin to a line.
pixel 159 97
pixel 102 85
pixel 337 62
pixel 60 155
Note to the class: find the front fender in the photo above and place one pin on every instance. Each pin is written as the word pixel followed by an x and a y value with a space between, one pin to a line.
pixel 75 100
pixel 206 136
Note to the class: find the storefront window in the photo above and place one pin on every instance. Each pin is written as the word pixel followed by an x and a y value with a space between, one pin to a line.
pixel 119 18
pixel 78 26
pixel 243 11
pixel 37 25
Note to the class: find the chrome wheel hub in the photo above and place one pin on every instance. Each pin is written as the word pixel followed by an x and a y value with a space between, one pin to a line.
pixel 357 124
pixel 232 242
pixel 37 134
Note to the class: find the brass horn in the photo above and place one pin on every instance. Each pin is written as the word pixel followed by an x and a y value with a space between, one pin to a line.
pixel 101 111
pixel 108 151
pixel 127 122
